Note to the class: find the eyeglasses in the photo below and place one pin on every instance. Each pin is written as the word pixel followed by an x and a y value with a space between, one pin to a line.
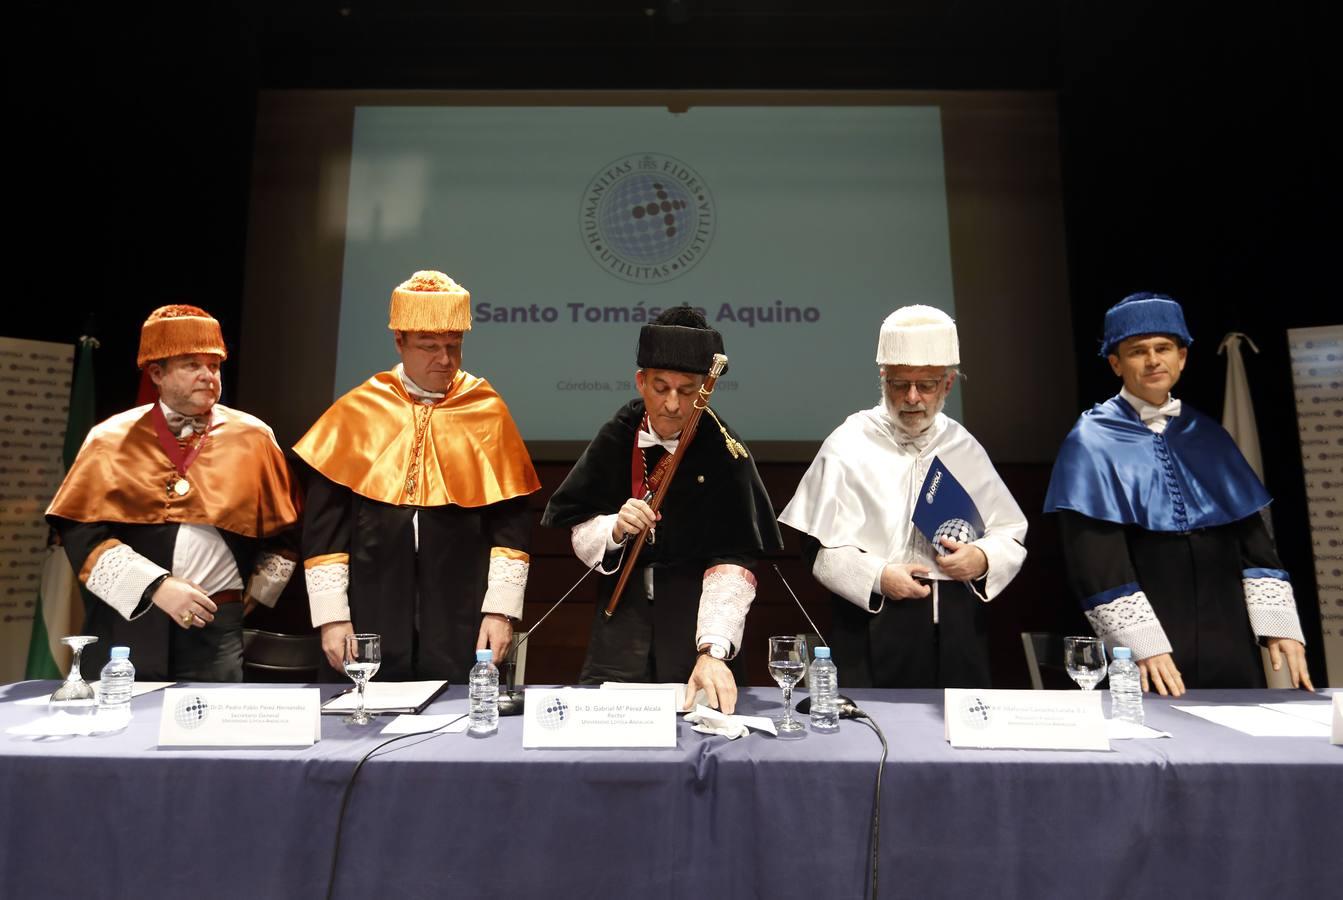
pixel 925 387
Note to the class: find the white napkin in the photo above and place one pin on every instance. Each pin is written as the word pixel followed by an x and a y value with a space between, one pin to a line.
pixel 711 721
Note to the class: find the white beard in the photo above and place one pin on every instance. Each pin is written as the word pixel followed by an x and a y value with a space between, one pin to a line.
pixel 929 414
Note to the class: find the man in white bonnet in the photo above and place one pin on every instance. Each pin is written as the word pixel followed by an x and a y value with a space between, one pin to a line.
pixel 906 614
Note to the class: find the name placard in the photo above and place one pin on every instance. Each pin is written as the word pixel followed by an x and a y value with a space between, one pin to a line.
pixel 1025 720
pixel 1337 736
pixel 234 717
pixel 566 717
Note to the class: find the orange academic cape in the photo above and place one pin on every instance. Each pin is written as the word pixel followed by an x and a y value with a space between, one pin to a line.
pixel 383 445
pixel 239 482
pixel 410 507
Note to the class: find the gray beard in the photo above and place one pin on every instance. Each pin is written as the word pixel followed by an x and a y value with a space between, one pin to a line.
pixel 893 414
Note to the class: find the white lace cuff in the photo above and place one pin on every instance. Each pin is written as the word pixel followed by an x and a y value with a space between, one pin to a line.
pixel 1272 608
pixel 1129 621
pixel 504 586
pixel 328 592
pixel 592 541
pixel 272 573
pixel 1005 557
pixel 119 578
pixel 850 573
pixel 724 600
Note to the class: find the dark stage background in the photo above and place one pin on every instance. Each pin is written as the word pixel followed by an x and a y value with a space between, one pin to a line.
pixel 1193 143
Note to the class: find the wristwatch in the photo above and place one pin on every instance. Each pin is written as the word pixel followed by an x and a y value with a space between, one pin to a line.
pixel 714 650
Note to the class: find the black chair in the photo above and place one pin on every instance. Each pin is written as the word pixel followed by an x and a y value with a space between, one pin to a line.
pixel 1044 661
pixel 268 656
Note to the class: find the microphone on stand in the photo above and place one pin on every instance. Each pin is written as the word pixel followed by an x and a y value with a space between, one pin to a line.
pixel 847 708
pixel 510 699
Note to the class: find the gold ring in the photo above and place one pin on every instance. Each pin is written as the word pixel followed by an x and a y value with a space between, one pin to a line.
pixel 187 616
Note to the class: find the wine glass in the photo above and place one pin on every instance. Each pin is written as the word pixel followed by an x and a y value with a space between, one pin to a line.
pixel 787 663
pixel 75 697
pixel 363 656
pixel 1084 658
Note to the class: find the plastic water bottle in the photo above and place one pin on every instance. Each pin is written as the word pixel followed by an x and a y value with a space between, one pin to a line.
pixel 1125 687
pixel 483 688
pixel 114 691
pixel 823 682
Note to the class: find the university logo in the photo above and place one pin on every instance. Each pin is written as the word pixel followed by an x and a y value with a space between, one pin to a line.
pixel 554 713
pixel 191 711
pixel 975 713
pixel 647 218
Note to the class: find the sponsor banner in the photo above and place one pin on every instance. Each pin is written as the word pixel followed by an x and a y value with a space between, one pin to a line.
pixel 1317 375
pixel 34 407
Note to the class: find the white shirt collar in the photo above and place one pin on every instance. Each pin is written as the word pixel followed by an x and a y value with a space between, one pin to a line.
pixel 414 389
pixel 1154 417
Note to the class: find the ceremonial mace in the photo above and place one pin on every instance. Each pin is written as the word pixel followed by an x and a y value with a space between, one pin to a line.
pixel 687 435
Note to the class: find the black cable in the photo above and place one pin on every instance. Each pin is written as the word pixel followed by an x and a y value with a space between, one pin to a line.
pixel 876 799
pixel 349 787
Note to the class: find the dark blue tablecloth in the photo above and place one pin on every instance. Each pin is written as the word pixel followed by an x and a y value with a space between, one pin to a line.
pixel 1211 812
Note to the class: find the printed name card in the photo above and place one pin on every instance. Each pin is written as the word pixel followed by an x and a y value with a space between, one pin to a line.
pixel 567 717
pixel 1337 736
pixel 1025 720
pixel 234 717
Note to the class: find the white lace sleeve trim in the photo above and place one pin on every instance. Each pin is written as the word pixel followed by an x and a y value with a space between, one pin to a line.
pixel 724 600
pixel 850 573
pixel 119 579
pixel 1129 621
pixel 272 573
pixel 328 592
pixel 1272 608
pixel 504 586
pixel 592 541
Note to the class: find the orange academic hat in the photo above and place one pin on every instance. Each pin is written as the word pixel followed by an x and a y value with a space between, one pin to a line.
pixel 177 330
pixel 430 301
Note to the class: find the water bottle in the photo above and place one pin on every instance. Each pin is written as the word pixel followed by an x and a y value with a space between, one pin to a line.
pixel 114 691
pixel 1125 687
pixel 823 682
pixel 483 687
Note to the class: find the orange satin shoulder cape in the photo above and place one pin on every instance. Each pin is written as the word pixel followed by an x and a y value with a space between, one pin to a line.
pixel 239 482
pixel 470 452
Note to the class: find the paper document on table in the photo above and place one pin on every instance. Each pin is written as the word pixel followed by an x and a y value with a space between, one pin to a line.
pixel 449 723
pixel 678 687
pixel 388 697
pixel 1257 721
pixel 1121 729
pixel 1314 712
pixel 141 687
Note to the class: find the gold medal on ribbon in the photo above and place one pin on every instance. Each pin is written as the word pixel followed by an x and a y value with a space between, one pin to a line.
pixel 180 487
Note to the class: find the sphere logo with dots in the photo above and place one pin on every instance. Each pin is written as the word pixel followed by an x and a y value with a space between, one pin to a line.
pixel 191 711
pixel 554 713
pixel 647 218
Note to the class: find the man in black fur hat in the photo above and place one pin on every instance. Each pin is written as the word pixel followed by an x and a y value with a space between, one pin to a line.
pixel 682 614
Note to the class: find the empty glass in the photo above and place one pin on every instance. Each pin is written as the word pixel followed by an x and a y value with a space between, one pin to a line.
pixel 75 697
pixel 1084 658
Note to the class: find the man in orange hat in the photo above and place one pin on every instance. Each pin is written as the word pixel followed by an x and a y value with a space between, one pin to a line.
pixel 416 525
pixel 168 504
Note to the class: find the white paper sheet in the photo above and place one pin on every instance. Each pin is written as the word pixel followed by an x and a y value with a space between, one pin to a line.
pixel 1257 721
pixel 1314 712
pixel 386 695
pixel 450 723
pixel 141 688
pixel 1119 730
pixel 700 696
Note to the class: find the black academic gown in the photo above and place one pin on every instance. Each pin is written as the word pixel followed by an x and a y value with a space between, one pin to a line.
pixel 1191 579
pixel 901 646
pixel 151 636
pixel 425 603
pixel 715 512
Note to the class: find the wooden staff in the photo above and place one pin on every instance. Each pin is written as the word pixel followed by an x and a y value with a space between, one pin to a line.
pixel 687 435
